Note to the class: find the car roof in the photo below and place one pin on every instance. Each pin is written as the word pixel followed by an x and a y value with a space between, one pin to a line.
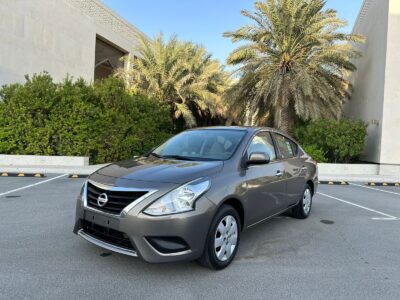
pixel 251 129
pixel 246 128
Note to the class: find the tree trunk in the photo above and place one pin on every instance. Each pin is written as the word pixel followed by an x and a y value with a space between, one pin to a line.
pixel 284 119
pixel 250 115
pixel 247 116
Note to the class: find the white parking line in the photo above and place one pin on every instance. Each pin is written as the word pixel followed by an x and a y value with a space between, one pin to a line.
pixel 375 189
pixel 31 185
pixel 387 216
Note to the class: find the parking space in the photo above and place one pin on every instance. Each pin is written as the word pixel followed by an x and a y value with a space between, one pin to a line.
pixel 348 248
pixel 9 183
pixel 381 203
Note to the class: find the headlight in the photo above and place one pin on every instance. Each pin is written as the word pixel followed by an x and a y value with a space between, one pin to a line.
pixel 179 200
pixel 82 194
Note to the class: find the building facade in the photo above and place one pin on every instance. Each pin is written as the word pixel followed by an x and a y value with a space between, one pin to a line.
pixel 80 38
pixel 376 96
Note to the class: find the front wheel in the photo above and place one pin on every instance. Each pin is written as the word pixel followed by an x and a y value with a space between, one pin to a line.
pixel 303 208
pixel 222 240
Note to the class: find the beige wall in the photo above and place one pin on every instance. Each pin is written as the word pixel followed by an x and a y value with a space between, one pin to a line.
pixel 390 148
pixel 44 35
pixel 57 36
pixel 377 80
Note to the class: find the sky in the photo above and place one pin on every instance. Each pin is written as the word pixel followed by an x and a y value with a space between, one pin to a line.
pixel 204 21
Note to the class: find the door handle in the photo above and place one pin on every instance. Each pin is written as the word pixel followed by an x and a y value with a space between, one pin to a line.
pixel 302 169
pixel 279 173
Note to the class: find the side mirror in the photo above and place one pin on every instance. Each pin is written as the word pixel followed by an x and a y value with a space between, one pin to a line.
pixel 258 158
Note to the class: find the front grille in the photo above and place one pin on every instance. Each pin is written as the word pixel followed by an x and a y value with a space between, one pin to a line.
pixel 117 200
pixel 107 235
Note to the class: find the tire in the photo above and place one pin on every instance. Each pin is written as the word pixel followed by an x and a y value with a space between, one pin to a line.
pixel 212 258
pixel 302 209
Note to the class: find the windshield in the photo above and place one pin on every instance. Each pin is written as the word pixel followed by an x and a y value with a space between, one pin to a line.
pixel 201 144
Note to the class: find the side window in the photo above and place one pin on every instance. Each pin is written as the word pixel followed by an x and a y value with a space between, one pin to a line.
pixel 287 148
pixel 295 148
pixel 262 142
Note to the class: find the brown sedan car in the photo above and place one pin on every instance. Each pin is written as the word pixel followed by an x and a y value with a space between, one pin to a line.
pixel 193 196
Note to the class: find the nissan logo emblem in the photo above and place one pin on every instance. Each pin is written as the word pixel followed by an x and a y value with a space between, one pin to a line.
pixel 102 199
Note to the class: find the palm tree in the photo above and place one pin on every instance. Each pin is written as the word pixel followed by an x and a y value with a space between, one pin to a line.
pixel 295 62
pixel 181 74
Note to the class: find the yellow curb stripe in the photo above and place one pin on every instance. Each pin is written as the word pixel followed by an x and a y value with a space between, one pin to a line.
pixel 5 174
pixel 334 182
pixel 383 184
pixel 74 176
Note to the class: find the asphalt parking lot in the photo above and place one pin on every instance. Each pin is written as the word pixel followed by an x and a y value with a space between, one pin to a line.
pixel 349 248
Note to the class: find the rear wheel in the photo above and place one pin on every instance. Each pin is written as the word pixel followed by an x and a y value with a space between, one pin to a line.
pixel 303 208
pixel 222 240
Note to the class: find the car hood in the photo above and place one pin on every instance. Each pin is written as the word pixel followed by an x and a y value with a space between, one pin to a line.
pixel 160 170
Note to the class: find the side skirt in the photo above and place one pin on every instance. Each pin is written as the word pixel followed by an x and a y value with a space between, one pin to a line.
pixel 274 215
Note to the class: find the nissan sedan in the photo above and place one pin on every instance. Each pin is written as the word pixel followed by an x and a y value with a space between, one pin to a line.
pixel 193 196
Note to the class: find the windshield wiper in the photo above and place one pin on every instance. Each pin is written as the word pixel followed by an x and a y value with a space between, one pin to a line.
pixel 179 157
pixel 155 155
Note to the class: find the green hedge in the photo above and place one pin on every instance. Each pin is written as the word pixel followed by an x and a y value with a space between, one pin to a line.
pixel 316 153
pixel 101 121
pixel 333 141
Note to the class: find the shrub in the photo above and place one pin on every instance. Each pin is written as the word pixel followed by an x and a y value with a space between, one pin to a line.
pixel 102 121
pixel 315 153
pixel 340 141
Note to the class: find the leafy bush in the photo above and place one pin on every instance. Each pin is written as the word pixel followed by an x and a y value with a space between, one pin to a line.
pixel 315 153
pixel 102 121
pixel 340 141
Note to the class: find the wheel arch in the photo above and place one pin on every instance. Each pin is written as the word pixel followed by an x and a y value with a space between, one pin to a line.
pixel 238 206
pixel 311 184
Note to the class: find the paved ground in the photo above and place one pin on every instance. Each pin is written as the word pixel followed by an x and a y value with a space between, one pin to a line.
pixel 349 248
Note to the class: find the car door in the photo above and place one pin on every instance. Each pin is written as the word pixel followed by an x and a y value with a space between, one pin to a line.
pixel 294 168
pixel 265 185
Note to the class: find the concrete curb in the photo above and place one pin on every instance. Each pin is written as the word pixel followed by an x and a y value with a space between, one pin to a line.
pixel 334 182
pixel 360 178
pixel 358 169
pixel 6 174
pixel 86 170
pixel 43 160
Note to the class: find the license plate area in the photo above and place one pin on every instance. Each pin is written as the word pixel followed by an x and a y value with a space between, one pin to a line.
pixel 101 220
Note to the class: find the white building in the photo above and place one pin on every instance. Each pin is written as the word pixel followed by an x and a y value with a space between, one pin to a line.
pixel 376 97
pixel 83 38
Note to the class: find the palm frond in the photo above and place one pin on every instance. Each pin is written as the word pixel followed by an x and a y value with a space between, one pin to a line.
pixel 296 58
pixel 181 74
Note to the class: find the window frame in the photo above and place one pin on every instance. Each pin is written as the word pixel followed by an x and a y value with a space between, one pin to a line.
pixel 279 150
pixel 273 144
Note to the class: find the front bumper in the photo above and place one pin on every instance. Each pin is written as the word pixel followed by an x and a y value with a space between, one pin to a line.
pixel 190 227
pixel 105 245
